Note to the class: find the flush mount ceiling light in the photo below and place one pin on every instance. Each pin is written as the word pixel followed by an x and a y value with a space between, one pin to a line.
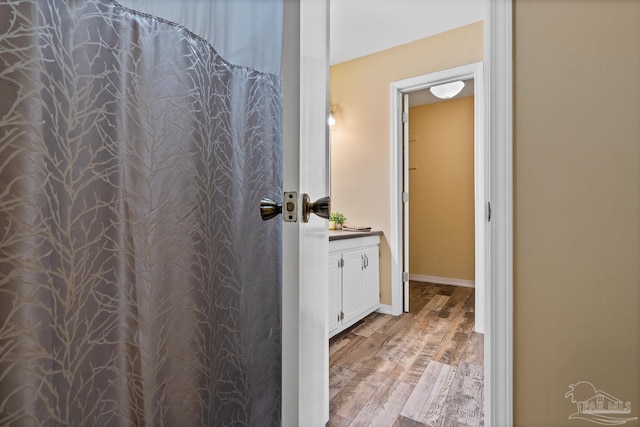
pixel 447 90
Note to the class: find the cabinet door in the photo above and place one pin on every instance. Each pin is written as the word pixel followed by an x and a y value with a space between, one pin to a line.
pixel 371 277
pixel 335 292
pixel 352 274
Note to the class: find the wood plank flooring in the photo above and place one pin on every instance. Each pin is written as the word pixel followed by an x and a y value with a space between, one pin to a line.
pixel 423 368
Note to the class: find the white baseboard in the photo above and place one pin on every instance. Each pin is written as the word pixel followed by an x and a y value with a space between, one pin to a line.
pixel 385 309
pixel 443 280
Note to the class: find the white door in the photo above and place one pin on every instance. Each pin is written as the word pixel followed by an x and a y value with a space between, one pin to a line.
pixel 405 200
pixel 371 277
pixel 352 284
pixel 335 291
pixel 305 347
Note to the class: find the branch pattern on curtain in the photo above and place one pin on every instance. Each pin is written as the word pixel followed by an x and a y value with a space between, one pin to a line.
pixel 138 284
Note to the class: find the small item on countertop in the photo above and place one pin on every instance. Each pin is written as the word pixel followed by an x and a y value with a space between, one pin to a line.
pixel 349 227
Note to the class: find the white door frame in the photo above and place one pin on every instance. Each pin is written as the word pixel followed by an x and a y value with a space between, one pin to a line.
pixel 399 171
pixel 498 349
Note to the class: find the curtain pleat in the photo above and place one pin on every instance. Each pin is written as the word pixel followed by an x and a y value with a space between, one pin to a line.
pixel 138 284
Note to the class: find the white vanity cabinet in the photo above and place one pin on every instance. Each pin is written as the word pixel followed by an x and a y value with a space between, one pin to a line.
pixel 354 278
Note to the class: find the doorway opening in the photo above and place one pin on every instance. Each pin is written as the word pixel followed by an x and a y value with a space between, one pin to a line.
pixel 498 125
pixel 440 225
pixel 400 183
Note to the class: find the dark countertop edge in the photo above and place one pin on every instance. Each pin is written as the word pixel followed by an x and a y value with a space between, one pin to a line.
pixel 340 235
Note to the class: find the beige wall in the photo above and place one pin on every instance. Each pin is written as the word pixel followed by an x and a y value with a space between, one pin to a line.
pixel 360 150
pixel 441 203
pixel 577 204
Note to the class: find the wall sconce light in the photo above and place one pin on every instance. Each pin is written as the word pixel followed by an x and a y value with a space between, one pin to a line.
pixel 331 121
pixel 447 90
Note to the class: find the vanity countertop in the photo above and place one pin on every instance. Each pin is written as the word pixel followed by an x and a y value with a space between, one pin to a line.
pixel 340 235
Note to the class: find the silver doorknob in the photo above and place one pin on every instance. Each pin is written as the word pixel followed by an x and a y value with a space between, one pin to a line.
pixel 269 209
pixel 321 207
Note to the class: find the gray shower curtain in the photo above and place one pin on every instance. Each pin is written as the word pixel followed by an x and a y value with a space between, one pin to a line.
pixel 138 284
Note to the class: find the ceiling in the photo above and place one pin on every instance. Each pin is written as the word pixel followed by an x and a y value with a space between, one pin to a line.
pixel 362 27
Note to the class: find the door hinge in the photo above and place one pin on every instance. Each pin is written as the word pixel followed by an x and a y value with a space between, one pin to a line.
pixel 488 211
pixel 341 263
pixel 405 277
pixel 405 197
pixel 405 117
pixel 341 315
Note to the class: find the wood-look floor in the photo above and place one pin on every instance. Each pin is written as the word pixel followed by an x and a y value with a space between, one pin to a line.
pixel 423 368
